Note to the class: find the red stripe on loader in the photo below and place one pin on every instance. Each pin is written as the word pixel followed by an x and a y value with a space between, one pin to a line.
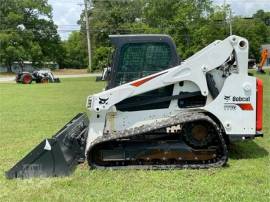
pixel 246 106
pixel 144 80
pixel 259 107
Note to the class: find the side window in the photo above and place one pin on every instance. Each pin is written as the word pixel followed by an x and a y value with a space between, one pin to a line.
pixel 142 59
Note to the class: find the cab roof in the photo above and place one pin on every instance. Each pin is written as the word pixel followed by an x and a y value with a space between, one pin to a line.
pixel 119 40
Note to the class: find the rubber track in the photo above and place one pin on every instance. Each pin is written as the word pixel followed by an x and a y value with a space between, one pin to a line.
pixel 183 117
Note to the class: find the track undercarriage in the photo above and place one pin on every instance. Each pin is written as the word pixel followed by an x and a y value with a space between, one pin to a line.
pixel 197 143
pixel 187 140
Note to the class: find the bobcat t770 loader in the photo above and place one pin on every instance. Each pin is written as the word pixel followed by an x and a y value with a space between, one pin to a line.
pixel 158 112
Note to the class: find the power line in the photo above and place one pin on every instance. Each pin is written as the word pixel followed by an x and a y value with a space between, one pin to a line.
pixel 96 1
pixel 217 22
pixel 244 1
pixel 64 1
pixel 80 3
pixel 77 4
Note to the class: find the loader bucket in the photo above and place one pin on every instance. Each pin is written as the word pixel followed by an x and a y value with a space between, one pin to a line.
pixel 56 156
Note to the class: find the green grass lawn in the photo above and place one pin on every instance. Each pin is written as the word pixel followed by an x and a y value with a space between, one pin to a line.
pixel 30 113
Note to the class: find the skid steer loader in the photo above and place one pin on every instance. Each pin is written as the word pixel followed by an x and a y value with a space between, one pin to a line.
pixel 158 112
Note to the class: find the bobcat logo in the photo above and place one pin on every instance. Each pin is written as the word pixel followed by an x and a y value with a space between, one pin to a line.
pixel 227 98
pixel 103 101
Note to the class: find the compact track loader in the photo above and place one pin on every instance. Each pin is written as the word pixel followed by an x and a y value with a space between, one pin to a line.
pixel 158 112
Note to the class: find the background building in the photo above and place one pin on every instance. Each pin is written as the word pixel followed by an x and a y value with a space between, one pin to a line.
pixel 28 66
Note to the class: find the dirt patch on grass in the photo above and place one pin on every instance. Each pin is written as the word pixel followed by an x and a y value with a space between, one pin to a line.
pixel 7 74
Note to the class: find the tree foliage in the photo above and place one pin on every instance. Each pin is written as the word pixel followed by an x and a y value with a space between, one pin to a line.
pixel 27 32
pixel 110 17
pixel 75 55
pixel 192 24
pixel 255 31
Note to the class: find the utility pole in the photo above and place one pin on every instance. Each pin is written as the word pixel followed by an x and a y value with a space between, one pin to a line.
pixel 88 34
pixel 230 22
pixel 225 16
pixel 224 11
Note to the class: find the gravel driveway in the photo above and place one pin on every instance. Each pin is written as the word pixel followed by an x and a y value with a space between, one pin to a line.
pixel 11 79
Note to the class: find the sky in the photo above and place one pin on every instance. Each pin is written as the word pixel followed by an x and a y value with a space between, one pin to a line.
pixel 66 13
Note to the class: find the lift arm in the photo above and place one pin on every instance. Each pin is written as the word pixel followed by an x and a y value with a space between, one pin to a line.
pixel 193 69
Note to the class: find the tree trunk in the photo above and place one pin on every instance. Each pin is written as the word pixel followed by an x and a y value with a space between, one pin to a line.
pixel 9 69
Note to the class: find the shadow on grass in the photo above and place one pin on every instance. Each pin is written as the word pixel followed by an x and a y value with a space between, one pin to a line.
pixel 246 150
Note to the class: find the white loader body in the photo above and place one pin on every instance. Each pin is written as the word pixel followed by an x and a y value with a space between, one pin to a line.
pixel 234 107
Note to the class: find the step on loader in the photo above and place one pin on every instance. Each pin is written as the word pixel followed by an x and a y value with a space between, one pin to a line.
pixel 157 111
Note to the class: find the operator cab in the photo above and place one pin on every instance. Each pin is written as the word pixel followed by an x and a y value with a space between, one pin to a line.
pixel 137 56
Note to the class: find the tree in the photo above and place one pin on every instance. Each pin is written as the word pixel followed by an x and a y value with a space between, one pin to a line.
pixel 75 55
pixel 264 17
pixel 184 20
pixel 109 17
pixel 192 24
pixel 255 31
pixel 27 32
